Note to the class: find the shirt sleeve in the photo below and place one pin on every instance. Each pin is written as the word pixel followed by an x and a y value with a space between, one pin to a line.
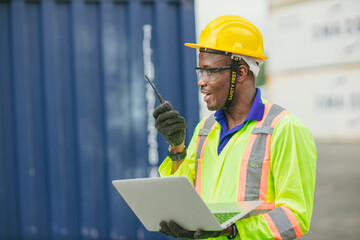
pixel 187 167
pixel 293 169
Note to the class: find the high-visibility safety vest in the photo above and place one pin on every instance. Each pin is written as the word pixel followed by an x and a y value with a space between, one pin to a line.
pixel 273 160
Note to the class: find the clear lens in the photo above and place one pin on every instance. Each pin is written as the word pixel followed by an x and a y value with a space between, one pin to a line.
pixel 210 74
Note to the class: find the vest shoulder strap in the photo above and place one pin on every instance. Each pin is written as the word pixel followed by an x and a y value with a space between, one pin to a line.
pixel 206 128
pixel 270 119
pixel 255 162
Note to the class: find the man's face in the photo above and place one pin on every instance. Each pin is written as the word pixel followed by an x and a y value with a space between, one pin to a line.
pixel 216 92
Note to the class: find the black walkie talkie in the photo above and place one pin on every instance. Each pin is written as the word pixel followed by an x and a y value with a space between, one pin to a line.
pixel 167 104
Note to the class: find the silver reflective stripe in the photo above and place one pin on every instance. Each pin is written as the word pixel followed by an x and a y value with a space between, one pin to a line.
pixel 257 155
pixel 266 130
pixel 274 111
pixel 282 223
pixel 204 132
pixel 256 212
pixel 254 168
pixel 209 122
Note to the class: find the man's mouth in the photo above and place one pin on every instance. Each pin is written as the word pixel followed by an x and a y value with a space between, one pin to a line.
pixel 207 95
pixel 205 92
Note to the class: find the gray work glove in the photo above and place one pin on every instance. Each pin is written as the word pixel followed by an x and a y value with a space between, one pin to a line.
pixel 172 229
pixel 169 124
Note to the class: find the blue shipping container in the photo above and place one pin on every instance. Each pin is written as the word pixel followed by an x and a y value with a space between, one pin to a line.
pixel 75 110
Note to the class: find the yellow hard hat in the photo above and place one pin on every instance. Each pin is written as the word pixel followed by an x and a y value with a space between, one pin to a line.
pixel 232 34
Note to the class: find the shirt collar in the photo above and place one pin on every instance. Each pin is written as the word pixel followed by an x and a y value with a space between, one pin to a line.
pixel 256 112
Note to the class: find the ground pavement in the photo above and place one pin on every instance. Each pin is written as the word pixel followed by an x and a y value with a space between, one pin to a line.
pixel 337 195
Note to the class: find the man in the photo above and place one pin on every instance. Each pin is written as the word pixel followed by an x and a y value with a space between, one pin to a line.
pixel 250 149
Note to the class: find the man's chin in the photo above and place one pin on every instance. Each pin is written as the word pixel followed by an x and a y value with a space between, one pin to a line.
pixel 213 108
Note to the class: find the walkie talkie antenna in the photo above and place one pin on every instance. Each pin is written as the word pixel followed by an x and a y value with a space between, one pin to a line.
pixel 156 91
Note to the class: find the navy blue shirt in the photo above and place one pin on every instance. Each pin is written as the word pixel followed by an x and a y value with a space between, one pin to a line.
pixel 256 113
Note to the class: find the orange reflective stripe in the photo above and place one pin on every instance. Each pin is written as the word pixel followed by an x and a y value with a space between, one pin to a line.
pixel 199 136
pixel 202 149
pixel 246 156
pixel 265 171
pixel 278 117
pixel 254 169
pixel 196 163
pixel 265 166
pixel 198 172
pixel 201 142
pixel 285 222
pixel 206 127
pixel 198 177
pixel 293 220
pixel 266 205
pixel 243 169
pixel 273 228
pixel 268 106
pixel 198 140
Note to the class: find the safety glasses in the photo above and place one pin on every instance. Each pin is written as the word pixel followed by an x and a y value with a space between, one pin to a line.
pixel 210 74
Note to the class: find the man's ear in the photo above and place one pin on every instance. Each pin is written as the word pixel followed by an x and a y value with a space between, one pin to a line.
pixel 242 73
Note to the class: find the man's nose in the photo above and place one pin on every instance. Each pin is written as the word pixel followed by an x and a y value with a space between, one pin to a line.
pixel 201 81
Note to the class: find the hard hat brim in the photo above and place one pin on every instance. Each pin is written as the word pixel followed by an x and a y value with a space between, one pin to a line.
pixel 198 46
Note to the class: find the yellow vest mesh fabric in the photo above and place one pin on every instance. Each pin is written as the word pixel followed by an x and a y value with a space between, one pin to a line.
pixel 291 178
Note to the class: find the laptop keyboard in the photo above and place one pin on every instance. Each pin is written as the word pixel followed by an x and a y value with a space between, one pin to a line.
pixel 223 217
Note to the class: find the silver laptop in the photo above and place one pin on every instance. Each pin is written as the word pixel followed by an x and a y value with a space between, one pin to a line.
pixel 174 198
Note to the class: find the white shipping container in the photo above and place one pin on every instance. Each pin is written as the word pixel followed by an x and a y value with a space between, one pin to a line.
pixel 310 34
pixel 326 100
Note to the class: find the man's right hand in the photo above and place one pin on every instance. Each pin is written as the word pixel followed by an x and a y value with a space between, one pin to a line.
pixel 169 124
pixel 172 229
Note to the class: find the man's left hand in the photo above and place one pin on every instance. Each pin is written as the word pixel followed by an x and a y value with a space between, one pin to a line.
pixel 172 229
